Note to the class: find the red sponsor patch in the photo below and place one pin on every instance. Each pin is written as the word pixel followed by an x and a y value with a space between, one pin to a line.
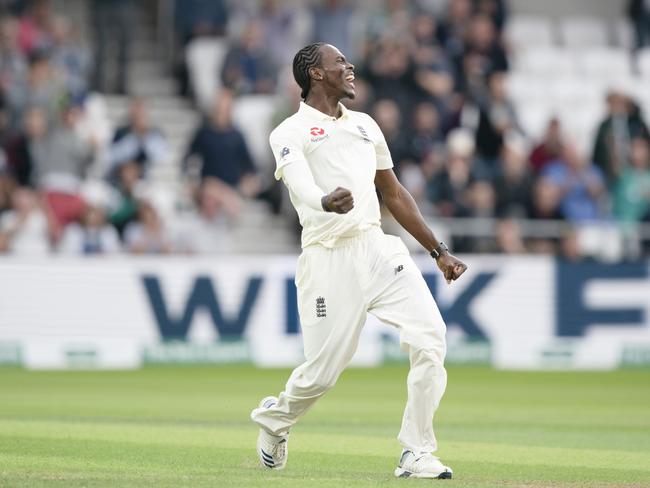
pixel 317 131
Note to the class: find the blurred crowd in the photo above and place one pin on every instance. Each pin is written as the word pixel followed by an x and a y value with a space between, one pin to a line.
pixel 431 72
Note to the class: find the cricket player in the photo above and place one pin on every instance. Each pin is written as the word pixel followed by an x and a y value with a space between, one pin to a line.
pixel 333 160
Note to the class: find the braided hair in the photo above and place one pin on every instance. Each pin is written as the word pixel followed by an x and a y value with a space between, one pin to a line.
pixel 307 57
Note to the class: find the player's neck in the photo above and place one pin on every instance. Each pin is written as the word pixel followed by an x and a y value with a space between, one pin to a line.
pixel 322 103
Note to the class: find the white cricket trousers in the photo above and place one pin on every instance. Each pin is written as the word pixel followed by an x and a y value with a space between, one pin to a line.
pixel 374 273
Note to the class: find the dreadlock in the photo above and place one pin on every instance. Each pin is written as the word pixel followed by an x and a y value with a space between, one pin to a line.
pixel 307 57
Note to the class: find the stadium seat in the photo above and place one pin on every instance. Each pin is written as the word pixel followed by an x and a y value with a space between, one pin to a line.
pixel 583 32
pixel 605 63
pixel 252 114
pixel 204 57
pixel 533 117
pixel 523 31
pixel 574 91
pixel 580 122
pixel 523 87
pixel 546 61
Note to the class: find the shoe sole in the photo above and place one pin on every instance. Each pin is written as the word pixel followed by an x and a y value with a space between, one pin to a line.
pixel 403 473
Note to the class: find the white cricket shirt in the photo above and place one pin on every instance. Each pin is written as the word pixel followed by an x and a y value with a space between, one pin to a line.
pixel 345 152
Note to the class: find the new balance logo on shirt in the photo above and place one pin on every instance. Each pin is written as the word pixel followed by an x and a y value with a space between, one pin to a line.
pixel 364 134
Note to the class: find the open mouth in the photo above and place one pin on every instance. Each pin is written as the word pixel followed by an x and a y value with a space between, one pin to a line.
pixel 350 79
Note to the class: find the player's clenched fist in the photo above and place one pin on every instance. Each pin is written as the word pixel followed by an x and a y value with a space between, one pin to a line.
pixel 451 267
pixel 338 201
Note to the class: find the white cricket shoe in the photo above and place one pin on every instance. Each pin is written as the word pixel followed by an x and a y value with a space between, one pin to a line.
pixel 423 466
pixel 272 449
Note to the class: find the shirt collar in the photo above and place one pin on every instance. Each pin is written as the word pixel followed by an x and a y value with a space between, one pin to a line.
pixel 315 114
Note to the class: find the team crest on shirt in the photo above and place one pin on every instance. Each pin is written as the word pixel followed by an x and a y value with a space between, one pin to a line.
pixel 318 134
pixel 285 152
pixel 321 310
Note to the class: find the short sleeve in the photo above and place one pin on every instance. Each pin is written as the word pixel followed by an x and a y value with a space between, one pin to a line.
pixel 287 148
pixel 384 159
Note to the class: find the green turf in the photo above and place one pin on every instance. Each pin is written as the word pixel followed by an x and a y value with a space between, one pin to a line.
pixel 188 426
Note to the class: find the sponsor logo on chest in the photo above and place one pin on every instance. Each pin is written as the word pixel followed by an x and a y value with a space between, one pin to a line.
pixel 318 134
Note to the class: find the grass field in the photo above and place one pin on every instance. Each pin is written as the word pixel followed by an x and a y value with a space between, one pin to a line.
pixel 189 426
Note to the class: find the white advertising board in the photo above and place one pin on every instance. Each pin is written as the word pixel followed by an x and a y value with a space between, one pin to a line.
pixel 521 313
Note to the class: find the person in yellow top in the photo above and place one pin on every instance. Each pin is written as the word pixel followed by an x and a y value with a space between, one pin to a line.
pixel 333 160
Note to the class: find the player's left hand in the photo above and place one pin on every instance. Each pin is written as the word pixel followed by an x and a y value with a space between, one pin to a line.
pixel 451 267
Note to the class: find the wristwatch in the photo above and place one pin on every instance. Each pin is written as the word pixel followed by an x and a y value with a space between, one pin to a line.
pixel 440 250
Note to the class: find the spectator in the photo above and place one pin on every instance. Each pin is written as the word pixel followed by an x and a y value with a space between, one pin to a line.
pixel 5 129
pixel 497 118
pixel 509 239
pixel 389 118
pixel 546 200
pixel 435 73
pixel 570 248
pixel 147 235
pixel 481 200
pixel 43 88
pixel 197 18
pixel 13 63
pixel 454 27
pixel 545 206
pixel 333 24
pixel 418 161
pixel 622 123
pixel 425 135
pixel 581 184
pixel 224 155
pixel 206 231
pixel 639 13
pixel 480 203
pixel 448 189
pixel 24 229
pixel 113 28
pixel 496 10
pixel 192 19
pixel 71 57
pixel 248 68
pixel 388 16
pixel 61 159
pixel 123 209
pixel 19 155
pixel 92 235
pixel 285 29
pixel 549 148
pixel 35 27
pixel 632 189
pixel 6 183
pixel 138 142
pixel 514 182
pixel 483 41
pixel 391 72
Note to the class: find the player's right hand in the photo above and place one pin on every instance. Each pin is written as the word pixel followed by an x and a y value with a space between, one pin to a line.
pixel 338 201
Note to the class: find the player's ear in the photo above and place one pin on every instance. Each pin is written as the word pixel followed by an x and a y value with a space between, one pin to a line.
pixel 315 73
